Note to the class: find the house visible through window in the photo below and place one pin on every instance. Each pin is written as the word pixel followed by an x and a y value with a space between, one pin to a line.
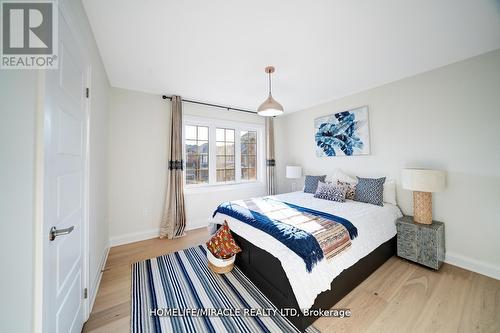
pixel 225 155
pixel 197 156
pixel 222 152
pixel 248 155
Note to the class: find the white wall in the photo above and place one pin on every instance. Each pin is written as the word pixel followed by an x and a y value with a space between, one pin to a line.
pixel 21 93
pixel 17 177
pixel 137 159
pixel 448 119
pixel 138 140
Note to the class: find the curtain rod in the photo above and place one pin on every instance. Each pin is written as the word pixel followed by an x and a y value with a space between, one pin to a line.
pixel 210 104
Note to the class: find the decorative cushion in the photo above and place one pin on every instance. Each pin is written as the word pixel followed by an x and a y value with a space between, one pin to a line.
pixel 222 244
pixel 350 189
pixel 329 191
pixel 343 177
pixel 390 192
pixel 370 190
pixel 311 183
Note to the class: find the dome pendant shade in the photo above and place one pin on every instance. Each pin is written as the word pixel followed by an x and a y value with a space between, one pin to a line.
pixel 270 107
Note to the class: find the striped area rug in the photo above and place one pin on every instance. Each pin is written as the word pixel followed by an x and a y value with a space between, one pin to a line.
pixel 182 281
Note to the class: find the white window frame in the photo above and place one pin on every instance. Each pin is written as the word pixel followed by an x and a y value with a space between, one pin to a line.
pixel 213 124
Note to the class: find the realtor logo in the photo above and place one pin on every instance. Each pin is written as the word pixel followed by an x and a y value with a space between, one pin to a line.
pixel 29 35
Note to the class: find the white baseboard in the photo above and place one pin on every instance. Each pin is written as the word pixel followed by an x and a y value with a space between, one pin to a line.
pixel 474 265
pixel 196 224
pixel 97 279
pixel 134 237
pixel 148 234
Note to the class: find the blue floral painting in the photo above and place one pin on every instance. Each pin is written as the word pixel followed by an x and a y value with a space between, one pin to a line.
pixel 343 134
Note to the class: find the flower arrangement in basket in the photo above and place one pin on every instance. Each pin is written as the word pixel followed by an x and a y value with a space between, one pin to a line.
pixel 222 250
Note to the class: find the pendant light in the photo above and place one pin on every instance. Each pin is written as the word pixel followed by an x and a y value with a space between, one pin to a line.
pixel 270 107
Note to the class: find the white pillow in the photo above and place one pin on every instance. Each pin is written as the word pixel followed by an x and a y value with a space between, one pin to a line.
pixel 343 177
pixel 390 192
pixel 330 178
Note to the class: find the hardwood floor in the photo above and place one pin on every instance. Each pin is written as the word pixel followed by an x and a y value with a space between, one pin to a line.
pixel 399 297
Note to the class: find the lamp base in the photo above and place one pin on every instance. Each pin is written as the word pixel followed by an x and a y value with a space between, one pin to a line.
pixel 422 207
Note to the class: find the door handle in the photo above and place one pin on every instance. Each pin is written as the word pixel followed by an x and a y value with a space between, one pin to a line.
pixel 59 232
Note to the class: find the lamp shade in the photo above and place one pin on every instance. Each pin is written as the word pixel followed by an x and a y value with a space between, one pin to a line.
pixel 293 172
pixel 270 107
pixel 423 180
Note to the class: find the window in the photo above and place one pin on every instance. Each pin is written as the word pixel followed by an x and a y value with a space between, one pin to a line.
pixel 219 152
pixel 197 154
pixel 248 155
pixel 225 155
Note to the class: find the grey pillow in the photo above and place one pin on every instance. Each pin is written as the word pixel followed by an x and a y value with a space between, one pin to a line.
pixel 370 190
pixel 311 183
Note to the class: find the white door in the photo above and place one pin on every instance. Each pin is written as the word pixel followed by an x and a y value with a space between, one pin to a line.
pixel 65 137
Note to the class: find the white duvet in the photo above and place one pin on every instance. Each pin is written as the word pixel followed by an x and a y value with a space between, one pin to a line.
pixel 375 224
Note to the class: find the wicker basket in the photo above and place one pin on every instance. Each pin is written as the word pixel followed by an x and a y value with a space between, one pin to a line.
pixel 220 266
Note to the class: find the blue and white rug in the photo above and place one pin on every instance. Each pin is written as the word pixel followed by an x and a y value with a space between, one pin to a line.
pixel 179 284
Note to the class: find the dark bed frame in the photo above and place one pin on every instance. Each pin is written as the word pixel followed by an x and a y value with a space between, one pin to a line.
pixel 266 272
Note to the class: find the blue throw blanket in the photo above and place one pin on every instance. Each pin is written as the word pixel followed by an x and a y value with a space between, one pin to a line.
pixel 299 241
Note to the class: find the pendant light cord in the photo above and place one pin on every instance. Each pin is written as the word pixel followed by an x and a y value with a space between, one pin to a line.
pixel 269 83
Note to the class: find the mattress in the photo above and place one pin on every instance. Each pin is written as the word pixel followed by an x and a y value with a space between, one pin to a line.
pixel 375 224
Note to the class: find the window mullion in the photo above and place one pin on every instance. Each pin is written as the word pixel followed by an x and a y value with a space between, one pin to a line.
pixel 212 153
pixel 237 154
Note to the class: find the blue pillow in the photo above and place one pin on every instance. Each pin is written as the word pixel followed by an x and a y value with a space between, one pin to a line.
pixel 370 190
pixel 311 183
pixel 330 192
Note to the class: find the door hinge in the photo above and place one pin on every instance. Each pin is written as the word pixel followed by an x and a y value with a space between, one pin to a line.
pixel 85 293
pixel 87 92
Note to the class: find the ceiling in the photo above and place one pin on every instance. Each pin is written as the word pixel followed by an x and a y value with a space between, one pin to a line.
pixel 215 51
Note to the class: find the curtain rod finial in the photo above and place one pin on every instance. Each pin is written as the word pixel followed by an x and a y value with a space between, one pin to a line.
pixel 164 97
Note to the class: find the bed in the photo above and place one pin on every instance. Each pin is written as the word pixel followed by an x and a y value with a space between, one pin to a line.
pixel 281 275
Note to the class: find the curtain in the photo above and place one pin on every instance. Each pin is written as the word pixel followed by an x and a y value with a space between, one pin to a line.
pixel 174 215
pixel 270 163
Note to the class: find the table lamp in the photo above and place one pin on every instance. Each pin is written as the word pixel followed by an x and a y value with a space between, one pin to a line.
pixel 293 172
pixel 423 182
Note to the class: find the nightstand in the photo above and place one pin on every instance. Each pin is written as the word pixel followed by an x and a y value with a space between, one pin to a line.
pixel 421 243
